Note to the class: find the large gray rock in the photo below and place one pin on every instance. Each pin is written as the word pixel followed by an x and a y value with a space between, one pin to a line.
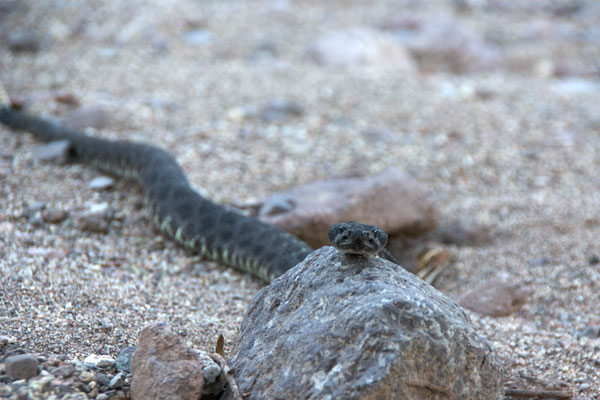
pixel 345 327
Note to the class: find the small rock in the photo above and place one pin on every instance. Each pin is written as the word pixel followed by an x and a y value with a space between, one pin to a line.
pixel 54 215
pixel 392 200
pixel 539 261
pixel 361 46
pixel 123 360
pixel 102 396
pixel 199 37
pixel 22 366
pixel 117 381
pixel 102 379
pixel 101 183
pixel 67 98
pixel 593 259
pixel 281 110
pixel 64 371
pixel 163 364
pixel 94 222
pixel 352 327
pixel 277 205
pixel 591 331
pixel 443 43
pixel 25 41
pixel 86 117
pixel 98 361
pixel 464 235
pixel 57 151
pixel 87 376
pixel 4 340
pixel 495 299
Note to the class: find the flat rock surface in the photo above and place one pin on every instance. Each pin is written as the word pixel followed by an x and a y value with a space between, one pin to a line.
pixel 515 150
pixel 348 327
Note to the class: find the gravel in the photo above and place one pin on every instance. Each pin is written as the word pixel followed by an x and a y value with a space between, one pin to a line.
pixel 515 150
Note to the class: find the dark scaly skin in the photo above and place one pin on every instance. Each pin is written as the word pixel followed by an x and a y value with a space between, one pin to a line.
pixel 215 232
pixel 358 239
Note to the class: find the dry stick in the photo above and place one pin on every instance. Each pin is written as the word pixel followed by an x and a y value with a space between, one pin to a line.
pixel 235 390
pixel 540 394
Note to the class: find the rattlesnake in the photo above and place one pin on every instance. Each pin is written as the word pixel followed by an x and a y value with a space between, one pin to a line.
pixel 215 232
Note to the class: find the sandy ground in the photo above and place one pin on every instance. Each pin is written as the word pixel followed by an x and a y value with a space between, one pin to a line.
pixel 516 149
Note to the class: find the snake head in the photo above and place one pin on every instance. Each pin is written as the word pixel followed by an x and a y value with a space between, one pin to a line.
pixel 356 238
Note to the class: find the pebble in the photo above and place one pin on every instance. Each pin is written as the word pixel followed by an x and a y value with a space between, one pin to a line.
pixel 280 110
pixel 54 215
pixel 22 366
pixel 199 37
pixel 495 299
pixel 117 381
pixel 98 361
pixel 94 222
pixel 591 331
pixel 361 46
pixel 87 376
pixel 24 41
pixel 123 360
pixel 64 371
pixel 57 152
pixel 101 183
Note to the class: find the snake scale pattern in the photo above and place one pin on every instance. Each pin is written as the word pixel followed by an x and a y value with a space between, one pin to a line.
pixel 215 232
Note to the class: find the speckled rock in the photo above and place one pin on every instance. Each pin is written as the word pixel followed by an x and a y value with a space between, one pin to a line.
pixel 22 366
pixel 361 47
pixel 495 299
pixel 57 151
pixel 338 326
pixel 392 200
pixel 163 367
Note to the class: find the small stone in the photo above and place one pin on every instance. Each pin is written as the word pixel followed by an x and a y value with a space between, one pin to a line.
pixel 67 98
pixel 495 299
pixel 361 46
pixel 4 340
pixel 199 37
pixel 117 381
pixel 93 222
pixel 54 215
pixel 57 151
pixel 163 363
pixel 539 261
pixel 591 331
pixel 462 234
pixel 276 205
pixel 22 366
pixel 102 379
pixel 64 371
pixel 87 376
pixel 98 361
pixel 593 259
pixel 101 183
pixel 443 43
pixel 281 110
pixel 123 360
pixel 102 396
pixel 87 117
pixel 25 41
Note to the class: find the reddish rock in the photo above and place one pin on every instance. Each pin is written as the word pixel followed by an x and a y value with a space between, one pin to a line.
pixel 163 367
pixel 495 299
pixel 392 200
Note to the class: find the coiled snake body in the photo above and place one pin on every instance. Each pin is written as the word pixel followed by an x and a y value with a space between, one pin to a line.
pixel 214 232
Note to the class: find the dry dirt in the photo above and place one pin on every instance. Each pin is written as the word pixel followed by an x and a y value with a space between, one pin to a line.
pixel 516 148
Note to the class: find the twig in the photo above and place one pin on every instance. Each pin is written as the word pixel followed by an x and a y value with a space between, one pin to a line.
pixel 235 390
pixel 540 394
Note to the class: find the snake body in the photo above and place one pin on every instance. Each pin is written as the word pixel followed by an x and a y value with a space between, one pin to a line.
pixel 215 232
